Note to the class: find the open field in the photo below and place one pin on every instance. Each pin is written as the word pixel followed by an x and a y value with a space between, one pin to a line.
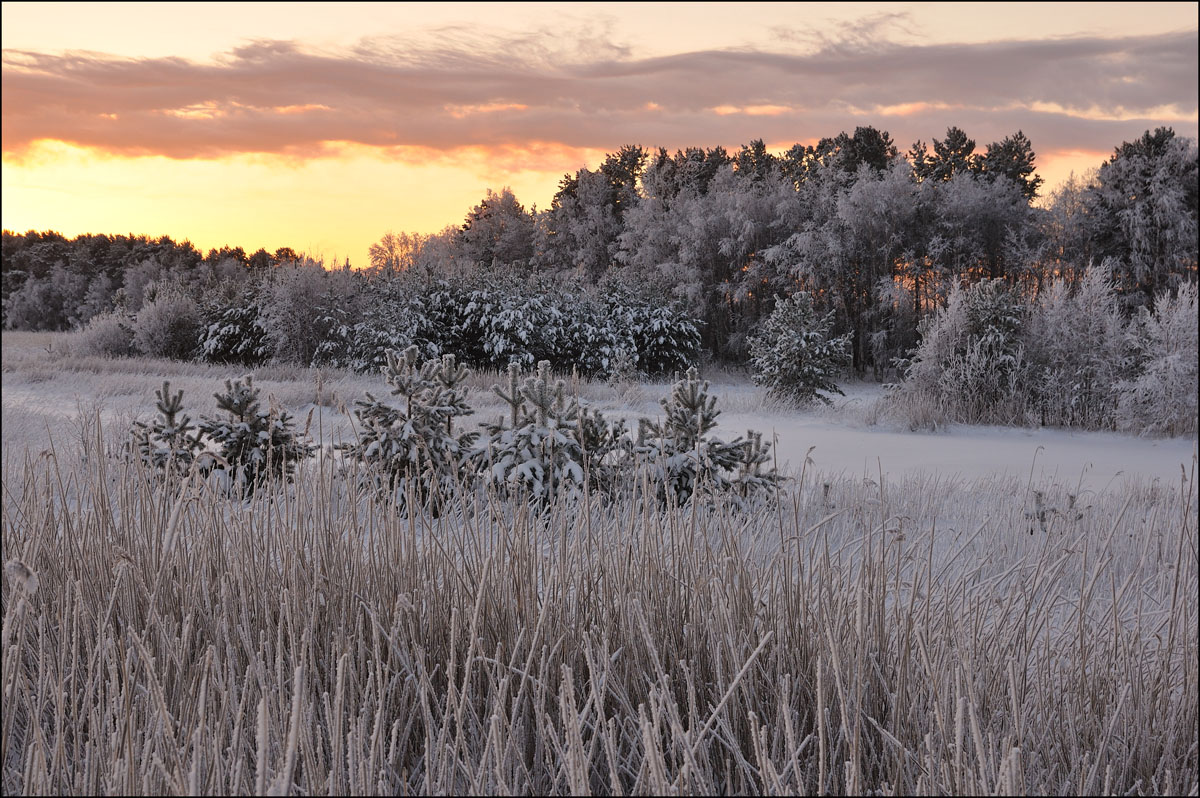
pixel 904 630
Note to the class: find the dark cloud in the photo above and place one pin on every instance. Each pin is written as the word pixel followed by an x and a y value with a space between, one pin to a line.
pixel 465 91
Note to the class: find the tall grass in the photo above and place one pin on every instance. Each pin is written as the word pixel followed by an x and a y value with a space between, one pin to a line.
pixel 918 637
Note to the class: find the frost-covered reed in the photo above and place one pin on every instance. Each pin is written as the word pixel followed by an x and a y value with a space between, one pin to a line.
pixel 918 637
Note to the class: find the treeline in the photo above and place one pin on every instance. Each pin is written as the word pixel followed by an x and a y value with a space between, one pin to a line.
pixel 304 314
pixel 50 282
pixel 879 238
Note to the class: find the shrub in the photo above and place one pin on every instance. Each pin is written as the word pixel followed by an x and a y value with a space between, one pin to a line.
pixel 1161 399
pixel 795 355
pixel 169 326
pixel 106 335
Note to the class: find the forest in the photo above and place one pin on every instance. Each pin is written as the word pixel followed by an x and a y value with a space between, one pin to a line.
pixel 942 266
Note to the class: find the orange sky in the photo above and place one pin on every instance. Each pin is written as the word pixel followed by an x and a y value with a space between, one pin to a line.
pixel 324 127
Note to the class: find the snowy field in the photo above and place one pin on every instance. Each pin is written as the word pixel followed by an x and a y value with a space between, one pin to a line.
pixel 45 390
pixel 896 625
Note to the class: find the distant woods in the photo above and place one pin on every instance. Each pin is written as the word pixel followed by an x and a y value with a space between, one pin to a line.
pixel 878 237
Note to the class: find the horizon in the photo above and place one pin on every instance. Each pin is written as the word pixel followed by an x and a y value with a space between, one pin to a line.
pixel 324 130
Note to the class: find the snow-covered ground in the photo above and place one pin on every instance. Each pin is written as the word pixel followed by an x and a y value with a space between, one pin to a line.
pixel 41 402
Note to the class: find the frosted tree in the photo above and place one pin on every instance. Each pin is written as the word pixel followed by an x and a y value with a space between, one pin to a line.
pixel 169 442
pixel 415 451
pixel 971 362
pixel 1161 398
pixel 1143 214
pixel 497 233
pixel 796 356
pixel 169 326
pixel 1077 348
pixel 258 447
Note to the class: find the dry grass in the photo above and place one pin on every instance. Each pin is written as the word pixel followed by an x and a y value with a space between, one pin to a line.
pixel 910 638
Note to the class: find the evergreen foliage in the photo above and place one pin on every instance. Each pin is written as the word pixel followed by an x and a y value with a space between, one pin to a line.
pixel 415 451
pixel 681 454
pixel 234 332
pixel 257 447
pixel 538 454
pixel 169 443
pixel 796 355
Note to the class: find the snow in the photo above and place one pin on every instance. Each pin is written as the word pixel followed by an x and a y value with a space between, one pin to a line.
pixel 1092 460
pixel 38 405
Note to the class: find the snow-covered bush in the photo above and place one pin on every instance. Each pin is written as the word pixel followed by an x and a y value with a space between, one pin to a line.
pixel 106 335
pixel 415 450
pixel 257 447
pixel 1161 399
pixel 795 355
pixel 970 362
pixel 169 443
pixel 1077 348
pixel 665 339
pixel 168 326
pixel 681 455
pixel 235 333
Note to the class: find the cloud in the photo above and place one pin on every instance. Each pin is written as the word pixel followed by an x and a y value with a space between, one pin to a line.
pixel 540 90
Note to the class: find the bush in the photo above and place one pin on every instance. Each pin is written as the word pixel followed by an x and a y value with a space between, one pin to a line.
pixel 106 335
pixel 170 326
pixel 1161 399
pixel 795 355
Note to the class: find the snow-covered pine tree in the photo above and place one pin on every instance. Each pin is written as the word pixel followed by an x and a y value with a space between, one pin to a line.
pixel 235 332
pixel 169 443
pixel 681 455
pixel 415 451
pixel 258 447
pixel 538 455
pixel 795 355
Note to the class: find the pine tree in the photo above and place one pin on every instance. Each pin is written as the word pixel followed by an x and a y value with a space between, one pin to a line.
pixel 795 354
pixel 169 443
pixel 258 447
pixel 538 455
pixel 414 450
pixel 682 456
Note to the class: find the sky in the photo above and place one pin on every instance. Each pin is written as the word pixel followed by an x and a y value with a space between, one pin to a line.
pixel 322 126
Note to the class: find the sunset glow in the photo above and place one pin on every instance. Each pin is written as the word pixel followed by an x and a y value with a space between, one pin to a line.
pixel 229 124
